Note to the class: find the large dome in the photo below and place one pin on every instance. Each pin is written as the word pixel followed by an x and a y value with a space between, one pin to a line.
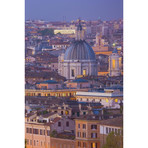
pixel 79 50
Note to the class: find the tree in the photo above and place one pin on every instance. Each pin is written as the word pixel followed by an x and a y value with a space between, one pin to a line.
pixel 53 133
pixel 25 143
pixel 45 32
pixel 114 141
pixel 59 33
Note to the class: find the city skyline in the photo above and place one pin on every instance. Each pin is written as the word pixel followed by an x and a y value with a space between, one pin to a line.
pixel 71 10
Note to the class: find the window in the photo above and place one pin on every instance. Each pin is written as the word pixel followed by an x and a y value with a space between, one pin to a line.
pixel 78 125
pixel 41 133
pixel 84 135
pixel 93 145
pixel 72 73
pixel 34 143
pixel 93 126
pixel 107 130
pixel 116 131
pixel 113 63
pixel 116 100
pixel 30 142
pixel 112 129
pixel 93 135
pixel 84 126
pixel 119 131
pixel 79 134
pixel 84 144
pixel 59 124
pixel 37 142
pixel 27 130
pixel 107 100
pixel 84 72
pixel 66 112
pixel 30 130
pixel 67 124
pixel 48 133
pixel 79 144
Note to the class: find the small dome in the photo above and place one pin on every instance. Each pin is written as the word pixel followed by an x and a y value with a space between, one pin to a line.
pixel 80 50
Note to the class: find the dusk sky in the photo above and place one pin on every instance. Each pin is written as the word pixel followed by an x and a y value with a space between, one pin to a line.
pixel 54 10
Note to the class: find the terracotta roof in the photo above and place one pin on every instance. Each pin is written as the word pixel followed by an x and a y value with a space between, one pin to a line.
pixel 56 119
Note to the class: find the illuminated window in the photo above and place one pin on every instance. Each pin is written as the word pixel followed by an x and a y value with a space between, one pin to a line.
pixel 93 145
pixel 66 112
pixel 107 100
pixel 113 63
pixel 84 72
pixel 116 100
pixel 120 62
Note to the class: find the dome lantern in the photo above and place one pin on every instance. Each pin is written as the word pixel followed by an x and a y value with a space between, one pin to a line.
pixel 79 31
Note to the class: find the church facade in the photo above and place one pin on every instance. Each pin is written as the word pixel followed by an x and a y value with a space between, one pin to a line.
pixel 79 58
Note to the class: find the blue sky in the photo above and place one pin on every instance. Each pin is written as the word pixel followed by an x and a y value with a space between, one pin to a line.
pixel 54 10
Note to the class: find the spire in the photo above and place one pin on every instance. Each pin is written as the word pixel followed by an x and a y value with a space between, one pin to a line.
pixel 79 31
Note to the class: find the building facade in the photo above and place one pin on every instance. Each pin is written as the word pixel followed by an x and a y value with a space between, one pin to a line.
pixel 109 99
pixel 87 133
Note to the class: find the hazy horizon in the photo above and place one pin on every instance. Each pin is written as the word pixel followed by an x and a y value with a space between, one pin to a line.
pixel 68 10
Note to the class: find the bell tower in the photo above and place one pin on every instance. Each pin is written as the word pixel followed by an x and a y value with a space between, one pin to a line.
pixel 114 64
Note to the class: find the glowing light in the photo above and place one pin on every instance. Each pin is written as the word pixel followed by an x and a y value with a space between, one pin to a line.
pixel 107 100
pixel 116 100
